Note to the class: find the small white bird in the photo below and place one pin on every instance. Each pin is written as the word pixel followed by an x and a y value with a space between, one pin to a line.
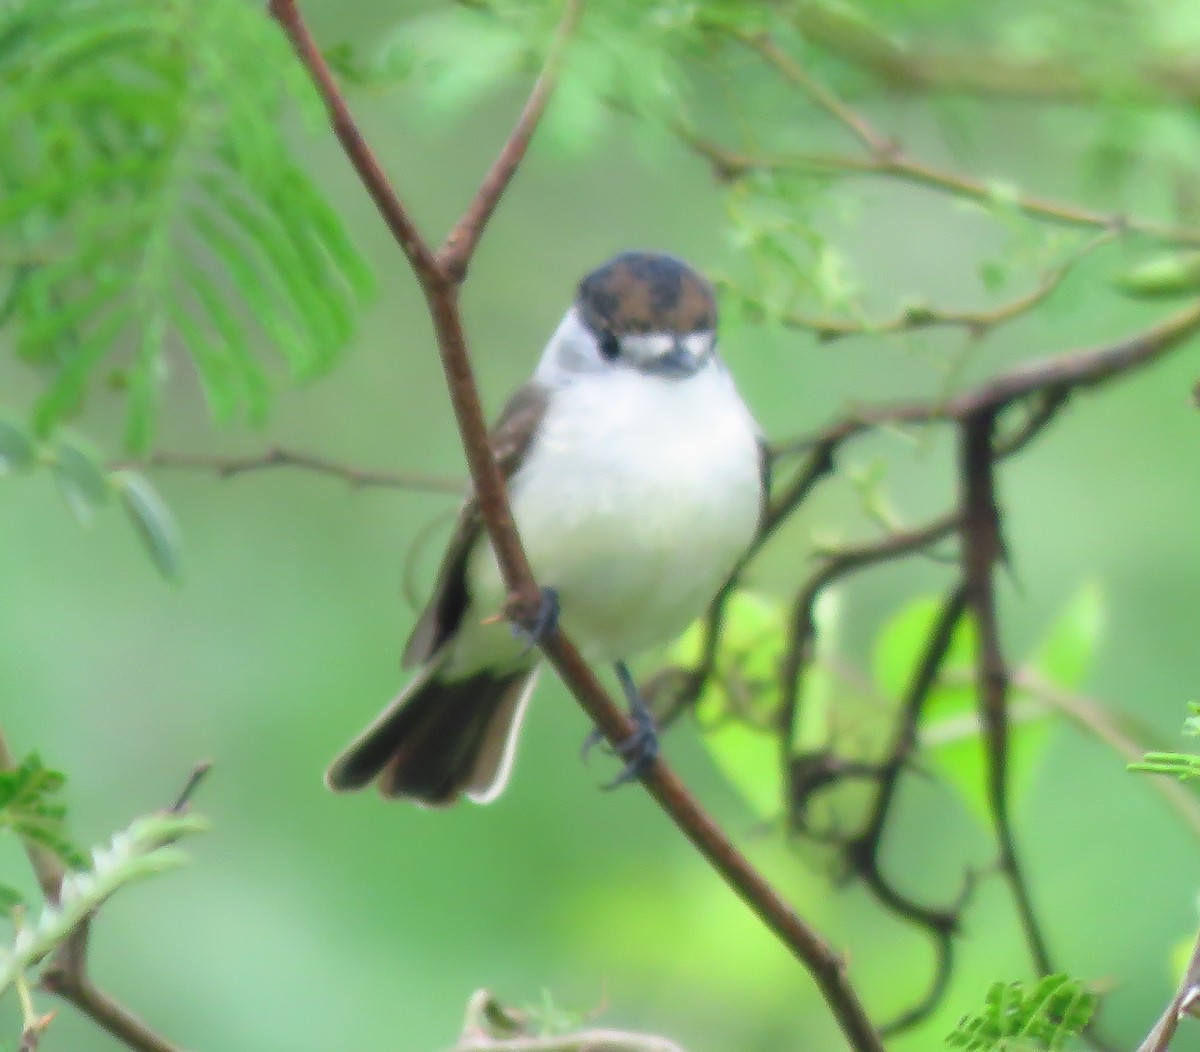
pixel 637 478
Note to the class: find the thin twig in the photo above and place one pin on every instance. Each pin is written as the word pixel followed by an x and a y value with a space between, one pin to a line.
pixel 1054 377
pixel 876 144
pixel 729 165
pixel 276 457
pixel 917 316
pixel 456 251
pixel 863 852
pixel 826 967
pixel 1097 720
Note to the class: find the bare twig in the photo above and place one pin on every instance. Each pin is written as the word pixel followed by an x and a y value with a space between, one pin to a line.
pixel 455 253
pixel 863 852
pixel 357 477
pixel 440 287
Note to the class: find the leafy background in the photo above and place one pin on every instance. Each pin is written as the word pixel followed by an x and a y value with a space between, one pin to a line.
pixel 311 920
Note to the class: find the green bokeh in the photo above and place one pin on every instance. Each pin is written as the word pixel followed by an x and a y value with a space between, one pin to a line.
pixel 309 921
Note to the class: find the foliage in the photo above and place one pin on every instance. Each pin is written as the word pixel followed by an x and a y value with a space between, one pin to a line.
pixel 144 849
pixel 738 709
pixel 30 807
pixel 86 485
pixel 1017 1020
pixel 1180 764
pixel 151 201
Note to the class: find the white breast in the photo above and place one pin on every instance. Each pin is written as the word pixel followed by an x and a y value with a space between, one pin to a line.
pixel 635 501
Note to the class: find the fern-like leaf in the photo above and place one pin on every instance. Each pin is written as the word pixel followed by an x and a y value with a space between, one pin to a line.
pixel 150 204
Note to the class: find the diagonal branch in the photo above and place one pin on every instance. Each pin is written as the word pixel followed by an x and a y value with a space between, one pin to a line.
pixel 440 288
pixel 459 246
pixel 729 165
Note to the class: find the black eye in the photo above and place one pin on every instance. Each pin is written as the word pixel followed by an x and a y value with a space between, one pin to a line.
pixel 610 346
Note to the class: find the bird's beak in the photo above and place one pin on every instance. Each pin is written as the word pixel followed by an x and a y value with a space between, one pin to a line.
pixel 680 361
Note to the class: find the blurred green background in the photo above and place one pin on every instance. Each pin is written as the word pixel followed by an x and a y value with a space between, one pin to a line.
pixel 314 921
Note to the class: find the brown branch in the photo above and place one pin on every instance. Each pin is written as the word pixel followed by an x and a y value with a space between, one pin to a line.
pixel 440 287
pixel 1053 378
pixel 276 457
pixel 455 254
pixel 982 549
pixel 863 851
pixel 67 974
pixel 1151 78
pixel 729 165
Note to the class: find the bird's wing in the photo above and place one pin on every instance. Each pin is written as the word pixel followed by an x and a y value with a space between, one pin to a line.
pixel 511 438
pixel 764 474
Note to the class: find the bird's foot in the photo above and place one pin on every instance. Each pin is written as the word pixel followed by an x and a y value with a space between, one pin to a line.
pixel 641 748
pixel 543 622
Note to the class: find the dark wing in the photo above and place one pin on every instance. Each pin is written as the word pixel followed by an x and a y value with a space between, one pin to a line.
pixel 764 474
pixel 442 615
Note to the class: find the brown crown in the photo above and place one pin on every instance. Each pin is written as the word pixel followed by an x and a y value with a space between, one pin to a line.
pixel 638 292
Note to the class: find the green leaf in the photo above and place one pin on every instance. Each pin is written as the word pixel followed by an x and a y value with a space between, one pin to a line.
pixel 1065 655
pixel 1044 1018
pixel 1165 277
pixel 16 448
pixel 737 707
pixel 152 519
pixel 81 481
pixel 10 898
pixel 122 118
pixel 29 806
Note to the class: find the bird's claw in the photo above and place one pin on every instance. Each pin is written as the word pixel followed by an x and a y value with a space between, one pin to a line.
pixel 640 750
pixel 543 622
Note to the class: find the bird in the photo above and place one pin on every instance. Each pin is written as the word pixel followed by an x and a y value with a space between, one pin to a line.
pixel 637 478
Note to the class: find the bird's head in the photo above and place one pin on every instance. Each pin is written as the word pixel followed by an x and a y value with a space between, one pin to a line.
pixel 641 310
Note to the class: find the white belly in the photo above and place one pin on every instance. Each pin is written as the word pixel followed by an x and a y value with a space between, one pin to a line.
pixel 634 503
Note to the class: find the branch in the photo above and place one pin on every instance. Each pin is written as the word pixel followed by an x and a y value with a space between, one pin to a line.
pixel 1047 378
pixel 276 457
pixel 1185 1002
pixel 440 287
pixel 66 975
pixel 729 165
pixel 460 243
pixel 916 316
pixel 982 548
pixel 904 67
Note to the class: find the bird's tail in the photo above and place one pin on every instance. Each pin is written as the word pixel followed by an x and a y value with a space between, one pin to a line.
pixel 438 740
